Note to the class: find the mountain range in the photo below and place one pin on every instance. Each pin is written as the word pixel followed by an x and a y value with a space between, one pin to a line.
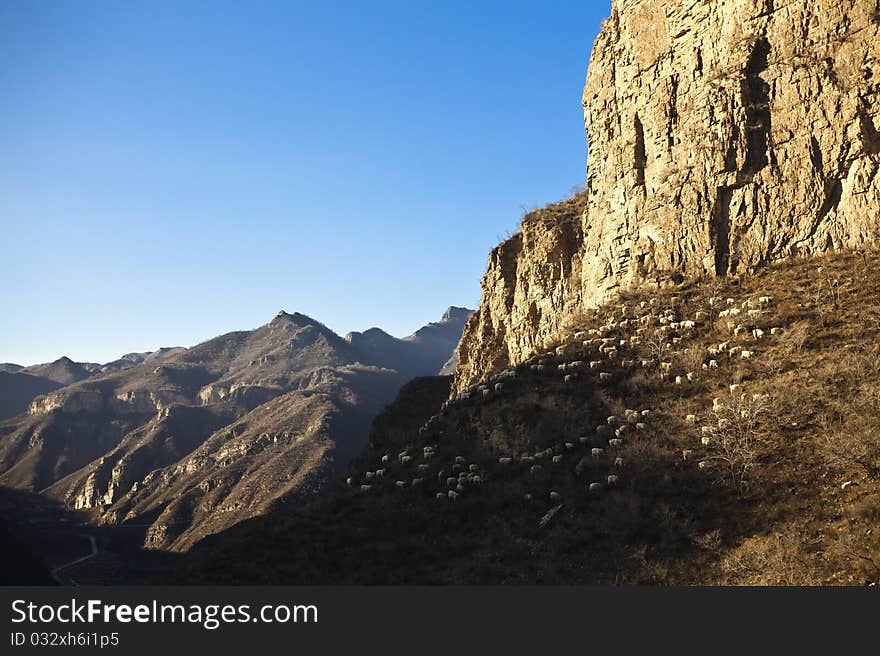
pixel 186 442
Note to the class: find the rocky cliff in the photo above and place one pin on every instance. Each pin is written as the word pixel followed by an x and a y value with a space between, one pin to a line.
pixel 722 135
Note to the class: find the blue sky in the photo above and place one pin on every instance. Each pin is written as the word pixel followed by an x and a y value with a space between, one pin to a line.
pixel 173 171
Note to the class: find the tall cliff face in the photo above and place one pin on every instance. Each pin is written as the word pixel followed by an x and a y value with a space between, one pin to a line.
pixel 722 135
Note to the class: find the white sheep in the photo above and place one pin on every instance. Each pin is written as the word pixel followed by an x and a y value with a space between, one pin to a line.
pixel 400 484
pixel 504 460
pixel 499 387
pixel 380 473
pixel 615 443
pixel 713 364
pixel 618 462
pixel 612 480
pixel 597 452
pixel 595 488
pixel 604 376
pixel 366 488
pixel 349 481
pixel 440 495
pixel 705 440
pixel 555 496
pixel 452 494
pixel 691 419
pixel 557 460
pixel 420 468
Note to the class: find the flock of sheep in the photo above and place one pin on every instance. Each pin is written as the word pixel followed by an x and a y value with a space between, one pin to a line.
pixel 641 335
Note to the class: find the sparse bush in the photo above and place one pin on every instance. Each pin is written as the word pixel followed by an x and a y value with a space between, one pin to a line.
pixel 734 439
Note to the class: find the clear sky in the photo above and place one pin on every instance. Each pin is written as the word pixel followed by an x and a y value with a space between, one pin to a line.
pixel 170 171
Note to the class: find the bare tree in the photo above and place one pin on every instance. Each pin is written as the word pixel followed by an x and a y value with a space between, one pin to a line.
pixel 733 439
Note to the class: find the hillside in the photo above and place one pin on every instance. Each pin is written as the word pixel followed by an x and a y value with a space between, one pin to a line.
pixel 18 389
pixel 777 481
pixel 193 441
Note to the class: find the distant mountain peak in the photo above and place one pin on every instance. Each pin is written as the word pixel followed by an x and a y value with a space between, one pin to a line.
pixel 454 313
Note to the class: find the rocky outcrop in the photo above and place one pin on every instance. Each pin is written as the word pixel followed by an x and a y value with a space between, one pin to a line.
pixel 722 135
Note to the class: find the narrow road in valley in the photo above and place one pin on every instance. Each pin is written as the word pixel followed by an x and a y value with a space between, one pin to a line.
pixel 63 579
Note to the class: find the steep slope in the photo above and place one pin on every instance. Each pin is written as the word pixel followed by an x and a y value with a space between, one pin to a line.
pixel 17 390
pixel 208 436
pixel 715 432
pixel 722 135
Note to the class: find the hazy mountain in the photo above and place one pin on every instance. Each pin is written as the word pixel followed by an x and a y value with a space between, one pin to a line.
pixel 208 436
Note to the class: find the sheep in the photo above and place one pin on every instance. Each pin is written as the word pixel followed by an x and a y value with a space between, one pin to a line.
pixel 561 367
pixel 405 459
pixel 755 314
pixel 666 367
pixel 366 488
pixel 705 440
pixel 703 464
pixel 616 443
pixel 452 494
pixel 369 475
pixel 604 376
pixel 569 445
pixel 440 495
pixel 499 387
pixel 595 364
pixel 646 413
pixel 452 481
pixel 380 473
pixel 730 301
pixel 713 364
pixel 691 419
pixel 776 331
pixel 618 462
pixel 679 380
pixel 597 452
pixel 535 469
pixel 595 488
pixel 736 387
pixel 701 316
pixel 621 431
pixel 400 484
pixel 690 376
pixel 580 335
pixel 459 460
pixel 386 457
pixel 474 468
pixel 686 453
pixel 569 378
pixel 688 324
pixel 612 480
pixel 422 468
pixel 557 460
pixel 706 430
pixel 349 481
pixel 757 333
pixel 417 481
pixel 765 300
pixel 640 426
pixel 745 355
pixel 555 496
pixel 504 461
pixel 486 393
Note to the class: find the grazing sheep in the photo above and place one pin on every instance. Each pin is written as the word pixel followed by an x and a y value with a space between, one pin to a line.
pixel 400 484
pixel 666 367
pixel 417 481
pixel 705 440
pixel 616 443
pixel 765 300
pixel 452 494
pixel 736 387
pixel 505 461
pixel 535 469
pixel 613 419
pixel 499 387
pixel 690 375
pixel 757 333
pixel 640 426
pixel 686 453
pixel 349 481
pixel 366 488
pixel 730 301
pixel 459 460
pixel 618 462
pixel 755 314
pixel 474 468
pixel 713 364
pixel 595 488
pixel 612 480
pixel 369 475
pixel 646 413
pixel 557 460
pixel 701 316
pixel 380 473
pixel 679 380
pixel 691 419
pixel 421 468
pixel 745 355
pixel 569 445
pixel 386 457
pixel 597 452
pixel 776 331
pixel 440 495
pixel 486 393
pixel 569 378
pixel 405 459
pixel 555 496
pixel 452 481
pixel 604 376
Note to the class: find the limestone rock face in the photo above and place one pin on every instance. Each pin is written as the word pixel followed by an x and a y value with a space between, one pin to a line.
pixel 722 135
